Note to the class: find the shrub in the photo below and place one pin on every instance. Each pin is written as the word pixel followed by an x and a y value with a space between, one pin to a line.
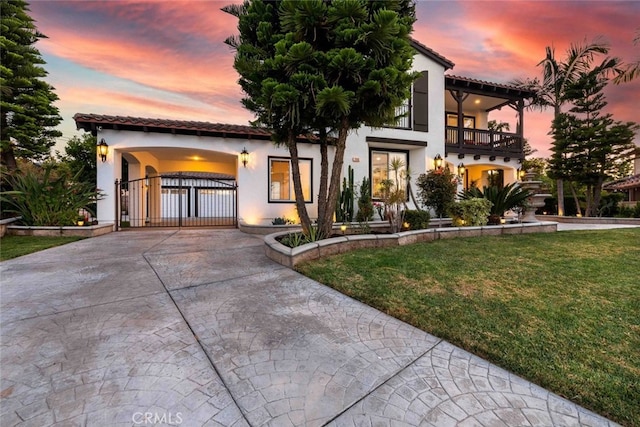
pixel 281 221
pixel 293 240
pixel 503 199
pixel 365 204
pixel 417 220
pixel 609 204
pixel 437 190
pixel 48 198
pixel 629 212
pixel 472 212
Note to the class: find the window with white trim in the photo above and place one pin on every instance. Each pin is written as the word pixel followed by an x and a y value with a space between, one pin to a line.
pixel 281 179
pixel 381 170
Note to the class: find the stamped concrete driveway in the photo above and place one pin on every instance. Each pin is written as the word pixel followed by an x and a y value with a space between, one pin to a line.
pixel 199 328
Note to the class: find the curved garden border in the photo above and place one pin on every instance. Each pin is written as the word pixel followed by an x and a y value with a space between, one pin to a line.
pixel 84 231
pixel 289 257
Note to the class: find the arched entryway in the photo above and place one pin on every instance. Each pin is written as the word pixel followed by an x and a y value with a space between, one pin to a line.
pixel 152 193
pixel 178 199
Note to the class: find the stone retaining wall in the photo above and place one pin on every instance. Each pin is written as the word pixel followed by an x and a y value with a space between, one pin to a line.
pixel 85 231
pixel 289 257
pixel 4 223
pixel 373 225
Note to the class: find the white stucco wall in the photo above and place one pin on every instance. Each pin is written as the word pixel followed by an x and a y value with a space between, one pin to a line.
pixel 420 157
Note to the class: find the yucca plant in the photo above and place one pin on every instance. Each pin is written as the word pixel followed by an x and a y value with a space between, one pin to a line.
pixel 508 197
pixel 46 198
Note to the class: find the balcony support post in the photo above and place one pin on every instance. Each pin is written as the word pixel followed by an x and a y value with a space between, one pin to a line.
pixel 459 96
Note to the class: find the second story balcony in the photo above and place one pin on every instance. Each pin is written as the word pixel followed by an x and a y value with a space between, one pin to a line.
pixel 468 127
pixel 468 107
pixel 481 141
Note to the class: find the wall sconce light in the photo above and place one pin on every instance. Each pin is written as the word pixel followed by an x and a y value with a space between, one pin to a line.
pixel 521 173
pixel 461 170
pixel 103 150
pixel 244 157
pixel 437 161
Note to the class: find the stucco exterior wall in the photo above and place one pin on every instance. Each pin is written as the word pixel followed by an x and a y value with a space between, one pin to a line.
pixel 253 205
pixel 420 157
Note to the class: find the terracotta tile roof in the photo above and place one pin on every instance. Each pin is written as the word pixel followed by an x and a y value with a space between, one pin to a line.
pixel 627 183
pixel 430 53
pixel 453 80
pixel 90 122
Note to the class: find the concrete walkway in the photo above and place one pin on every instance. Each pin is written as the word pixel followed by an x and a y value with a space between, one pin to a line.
pixel 571 226
pixel 199 328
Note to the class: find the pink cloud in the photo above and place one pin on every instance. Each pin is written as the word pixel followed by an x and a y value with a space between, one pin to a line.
pixel 142 48
pixel 499 41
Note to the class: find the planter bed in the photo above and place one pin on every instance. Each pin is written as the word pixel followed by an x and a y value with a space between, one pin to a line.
pixel 289 257
pixel 85 231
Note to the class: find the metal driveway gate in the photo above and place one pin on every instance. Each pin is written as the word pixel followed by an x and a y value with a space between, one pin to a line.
pixel 177 199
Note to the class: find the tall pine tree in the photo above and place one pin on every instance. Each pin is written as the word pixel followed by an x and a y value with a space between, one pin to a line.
pixel 588 144
pixel 28 116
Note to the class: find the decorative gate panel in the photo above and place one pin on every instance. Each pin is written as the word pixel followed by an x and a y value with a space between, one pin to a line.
pixel 178 199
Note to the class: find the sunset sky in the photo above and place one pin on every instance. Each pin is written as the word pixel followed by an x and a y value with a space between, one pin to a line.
pixel 167 59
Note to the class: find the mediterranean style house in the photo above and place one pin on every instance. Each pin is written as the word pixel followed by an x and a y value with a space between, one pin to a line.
pixel 156 172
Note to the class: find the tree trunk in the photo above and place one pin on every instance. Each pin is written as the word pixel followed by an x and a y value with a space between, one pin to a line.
pixel 588 211
pixel 9 159
pixel 559 181
pixel 324 176
pixel 560 190
pixel 575 198
pixel 297 184
pixel 413 197
pixel 595 196
pixel 325 223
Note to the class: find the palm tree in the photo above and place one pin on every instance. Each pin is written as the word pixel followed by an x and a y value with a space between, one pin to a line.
pixel 632 70
pixel 557 76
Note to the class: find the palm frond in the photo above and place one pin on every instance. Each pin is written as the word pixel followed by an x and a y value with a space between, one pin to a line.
pixel 579 60
pixel 628 73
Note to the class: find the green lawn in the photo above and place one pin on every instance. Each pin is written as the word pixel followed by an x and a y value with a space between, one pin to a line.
pixel 15 246
pixel 560 309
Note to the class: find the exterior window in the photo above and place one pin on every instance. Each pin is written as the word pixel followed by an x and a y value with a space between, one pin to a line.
pixel 469 121
pixel 281 180
pixel 381 169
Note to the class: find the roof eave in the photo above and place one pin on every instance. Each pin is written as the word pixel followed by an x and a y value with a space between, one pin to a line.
pixel 432 54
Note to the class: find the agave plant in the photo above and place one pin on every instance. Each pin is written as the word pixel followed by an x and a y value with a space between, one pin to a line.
pixel 508 197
